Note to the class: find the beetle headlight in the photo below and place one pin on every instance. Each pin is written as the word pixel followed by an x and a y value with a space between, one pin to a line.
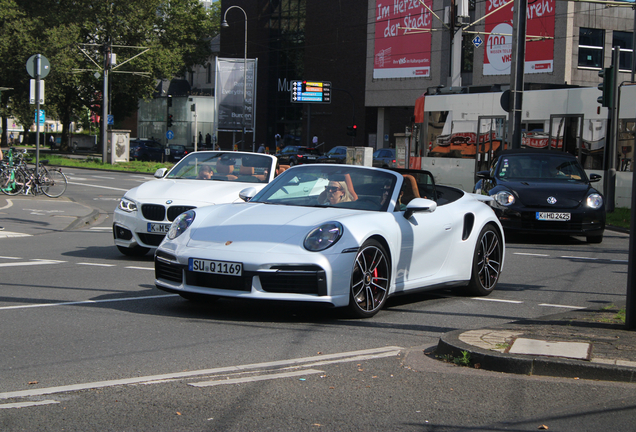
pixel 180 224
pixel 504 198
pixel 127 205
pixel 323 236
pixel 594 201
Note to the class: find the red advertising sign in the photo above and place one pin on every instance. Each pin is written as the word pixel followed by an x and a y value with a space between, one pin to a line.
pixel 402 39
pixel 498 47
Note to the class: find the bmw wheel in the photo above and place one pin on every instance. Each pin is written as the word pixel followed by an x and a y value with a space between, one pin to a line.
pixel 370 280
pixel 486 262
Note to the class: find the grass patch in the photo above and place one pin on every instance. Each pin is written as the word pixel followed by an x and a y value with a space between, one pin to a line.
pixel 96 163
pixel 620 217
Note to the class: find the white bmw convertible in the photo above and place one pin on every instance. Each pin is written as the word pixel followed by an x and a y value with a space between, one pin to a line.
pixel 145 213
pixel 335 234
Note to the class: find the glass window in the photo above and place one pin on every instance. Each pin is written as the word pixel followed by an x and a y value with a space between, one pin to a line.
pixel 625 41
pixel 591 42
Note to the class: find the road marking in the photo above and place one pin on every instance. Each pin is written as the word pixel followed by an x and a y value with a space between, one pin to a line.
pixel 530 254
pixel 96 264
pixel 255 378
pixel 28 404
pixel 343 356
pixel 9 204
pixel 497 300
pixel 102 177
pixel 7 257
pixel 28 306
pixel 561 306
pixel 8 234
pixel 620 261
pixel 97 186
pixel 30 263
pixel 578 257
pixel 140 268
pixel 100 229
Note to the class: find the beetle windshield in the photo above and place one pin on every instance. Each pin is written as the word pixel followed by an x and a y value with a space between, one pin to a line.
pixel 556 167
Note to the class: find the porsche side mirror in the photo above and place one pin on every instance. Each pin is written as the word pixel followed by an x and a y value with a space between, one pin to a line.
pixel 161 172
pixel 247 194
pixel 595 177
pixel 418 205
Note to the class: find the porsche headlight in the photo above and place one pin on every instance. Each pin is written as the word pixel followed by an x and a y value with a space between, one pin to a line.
pixel 180 224
pixel 594 201
pixel 504 198
pixel 323 236
pixel 127 205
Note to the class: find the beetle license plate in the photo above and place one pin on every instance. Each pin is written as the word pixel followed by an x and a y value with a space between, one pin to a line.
pixel 553 216
pixel 158 228
pixel 215 267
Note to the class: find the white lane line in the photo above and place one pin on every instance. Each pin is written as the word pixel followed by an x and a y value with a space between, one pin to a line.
pixel 530 254
pixel 9 204
pixel 497 300
pixel 28 404
pixel 561 306
pixel 30 263
pixel 140 268
pixel 255 366
pixel 620 261
pixel 255 378
pixel 96 264
pixel 97 186
pixel 8 257
pixel 27 306
pixel 102 177
pixel 7 234
pixel 100 229
pixel 578 257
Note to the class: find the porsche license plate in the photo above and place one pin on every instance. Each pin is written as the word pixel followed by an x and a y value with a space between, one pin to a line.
pixel 158 228
pixel 216 267
pixel 553 216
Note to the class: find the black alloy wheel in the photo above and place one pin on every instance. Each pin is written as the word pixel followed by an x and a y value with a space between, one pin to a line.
pixel 487 262
pixel 370 280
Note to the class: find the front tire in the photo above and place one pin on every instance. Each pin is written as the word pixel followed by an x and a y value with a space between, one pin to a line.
pixel 370 280
pixel 135 251
pixel 595 239
pixel 487 262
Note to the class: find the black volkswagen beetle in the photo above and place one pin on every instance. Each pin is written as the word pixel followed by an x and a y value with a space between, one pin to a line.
pixel 540 191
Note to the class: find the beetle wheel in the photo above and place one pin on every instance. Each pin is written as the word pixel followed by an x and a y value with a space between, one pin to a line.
pixel 486 262
pixel 370 280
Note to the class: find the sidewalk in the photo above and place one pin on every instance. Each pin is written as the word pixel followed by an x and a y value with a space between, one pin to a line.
pixel 586 344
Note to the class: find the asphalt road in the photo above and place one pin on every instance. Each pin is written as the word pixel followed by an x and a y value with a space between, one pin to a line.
pixel 88 342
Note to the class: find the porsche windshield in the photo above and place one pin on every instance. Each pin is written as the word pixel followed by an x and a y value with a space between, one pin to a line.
pixel 555 167
pixel 331 186
pixel 223 166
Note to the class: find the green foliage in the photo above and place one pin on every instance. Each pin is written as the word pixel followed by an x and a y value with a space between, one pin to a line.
pixel 72 35
pixel 96 163
pixel 620 217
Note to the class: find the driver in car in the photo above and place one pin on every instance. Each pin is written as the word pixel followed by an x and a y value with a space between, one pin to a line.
pixel 335 192
pixel 205 173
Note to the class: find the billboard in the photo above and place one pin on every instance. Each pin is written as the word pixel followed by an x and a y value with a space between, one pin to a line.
pixel 229 94
pixel 498 47
pixel 402 39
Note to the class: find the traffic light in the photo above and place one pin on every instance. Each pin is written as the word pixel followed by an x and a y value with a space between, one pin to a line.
pixel 169 120
pixel 351 130
pixel 607 87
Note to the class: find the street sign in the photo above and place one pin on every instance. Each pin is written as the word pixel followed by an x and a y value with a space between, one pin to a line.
pixel 110 119
pixel 32 91
pixel 45 66
pixel 311 91
pixel 477 41
pixel 169 135
pixel 41 116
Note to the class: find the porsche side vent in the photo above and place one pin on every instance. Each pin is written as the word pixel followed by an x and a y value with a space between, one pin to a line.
pixel 469 222
pixel 168 271
pixel 153 212
pixel 175 211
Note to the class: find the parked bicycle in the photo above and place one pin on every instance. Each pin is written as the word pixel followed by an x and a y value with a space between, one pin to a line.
pixel 17 177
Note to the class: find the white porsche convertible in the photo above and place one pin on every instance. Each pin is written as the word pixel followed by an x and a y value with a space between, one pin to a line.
pixel 145 213
pixel 335 234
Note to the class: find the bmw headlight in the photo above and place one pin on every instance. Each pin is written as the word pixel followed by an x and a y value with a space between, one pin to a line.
pixel 594 201
pixel 323 236
pixel 504 198
pixel 180 224
pixel 127 205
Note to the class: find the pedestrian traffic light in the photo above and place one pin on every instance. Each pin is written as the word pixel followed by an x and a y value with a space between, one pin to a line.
pixel 607 87
pixel 169 120
pixel 351 130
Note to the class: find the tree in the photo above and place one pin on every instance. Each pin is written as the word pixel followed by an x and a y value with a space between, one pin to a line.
pixel 74 34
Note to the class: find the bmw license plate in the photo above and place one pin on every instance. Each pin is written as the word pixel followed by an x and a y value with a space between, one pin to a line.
pixel 553 216
pixel 158 228
pixel 215 267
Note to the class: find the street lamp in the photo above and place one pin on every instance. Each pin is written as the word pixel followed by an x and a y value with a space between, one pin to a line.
pixel 224 24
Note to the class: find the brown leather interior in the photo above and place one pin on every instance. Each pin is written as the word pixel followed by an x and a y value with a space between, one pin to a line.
pixel 409 187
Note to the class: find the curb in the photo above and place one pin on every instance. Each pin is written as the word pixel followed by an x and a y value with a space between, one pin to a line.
pixel 449 344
